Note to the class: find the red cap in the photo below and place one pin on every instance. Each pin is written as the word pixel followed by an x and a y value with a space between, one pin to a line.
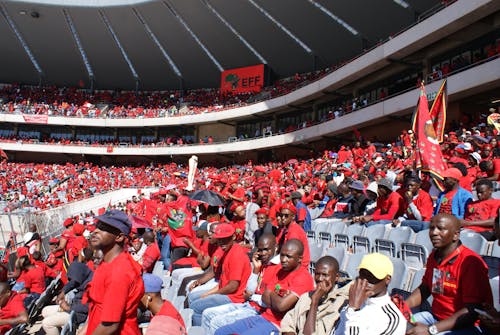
pixel 54 240
pixel 260 169
pixel 223 230
pixel 453 173
pixel 262 210
pixel 68 222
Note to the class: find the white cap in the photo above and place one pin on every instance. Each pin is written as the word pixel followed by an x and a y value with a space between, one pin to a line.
pixel 27 237
pixel 372 187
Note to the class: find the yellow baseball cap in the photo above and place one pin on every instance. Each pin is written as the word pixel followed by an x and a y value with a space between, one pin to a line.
pixel 379 265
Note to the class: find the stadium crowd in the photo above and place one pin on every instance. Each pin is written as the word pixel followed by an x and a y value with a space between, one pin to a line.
pixel 261 213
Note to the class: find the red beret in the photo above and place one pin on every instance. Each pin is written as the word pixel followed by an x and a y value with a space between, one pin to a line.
pixel 262 210
pixel 68 222
pixel 260 169
pixel 54 240
pixel 290 207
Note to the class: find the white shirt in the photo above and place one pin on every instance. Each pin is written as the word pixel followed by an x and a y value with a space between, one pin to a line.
pixel 378 316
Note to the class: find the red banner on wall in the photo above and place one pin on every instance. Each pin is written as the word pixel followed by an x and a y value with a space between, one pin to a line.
pixel 243 79
pixel 36 118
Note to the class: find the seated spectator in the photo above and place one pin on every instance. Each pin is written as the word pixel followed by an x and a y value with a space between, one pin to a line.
pixel 358 205
pixel 481 214
pixel 344 199
pixel 370 310
pixel 282 290
pixel 235 270
pixel 137 248
pixel 238 222
pixel 152 301
pixel 417 205
pixel 389 206
pixel 216 317
pixel 317 311
pixel 454 199
pixel 12 311
pixel 31 278
pixel 457 279
pixel 70 299
pixel 491 167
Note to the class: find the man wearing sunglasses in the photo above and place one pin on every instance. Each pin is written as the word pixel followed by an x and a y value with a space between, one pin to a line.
pixel 289 229
pixel 370 309
pixel 117 286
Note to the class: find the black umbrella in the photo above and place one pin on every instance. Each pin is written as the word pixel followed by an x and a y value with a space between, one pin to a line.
pixel 209 197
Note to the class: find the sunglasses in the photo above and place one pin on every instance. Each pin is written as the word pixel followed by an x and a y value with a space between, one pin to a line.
pixel 108 228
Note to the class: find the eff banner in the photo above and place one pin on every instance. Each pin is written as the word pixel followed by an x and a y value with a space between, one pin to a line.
pixel 243 79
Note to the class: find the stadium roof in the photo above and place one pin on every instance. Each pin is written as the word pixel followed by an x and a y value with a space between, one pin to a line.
pixel 163 44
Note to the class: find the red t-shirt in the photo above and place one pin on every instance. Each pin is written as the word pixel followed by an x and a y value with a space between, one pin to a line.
pixel 389 208
pixel 481 210
pixel 114 294
pixel 294 230
pixel 34 280
pixel 235 266
pixel 496 169
pixel 239 227
pixel 167 309
pixel 296 282
pixel 12 309
pixel 150 256
pixel 424 204
pixel 459 280
pixel 446 202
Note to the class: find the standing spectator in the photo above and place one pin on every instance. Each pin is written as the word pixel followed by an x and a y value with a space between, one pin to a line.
pixel 261 187
pixel 317 312
pixel 288 229
pixel 117 286
pixel 152 252
pixel 302 217
pixel 370 310
pixel 457 279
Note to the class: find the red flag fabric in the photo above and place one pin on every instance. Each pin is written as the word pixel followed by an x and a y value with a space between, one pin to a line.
pixel 438 111
pixel 428 148
pixel 177 215
pixel 3 155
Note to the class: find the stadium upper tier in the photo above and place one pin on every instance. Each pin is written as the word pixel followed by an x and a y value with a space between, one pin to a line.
pixel 480 76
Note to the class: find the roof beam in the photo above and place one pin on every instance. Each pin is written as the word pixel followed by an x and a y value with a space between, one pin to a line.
pixel 337 19
pixel 120 47
pixel 21 40
pixel 234 31
pixel 193 35
pixel 158 44
pixel 282 27
pixel 79 45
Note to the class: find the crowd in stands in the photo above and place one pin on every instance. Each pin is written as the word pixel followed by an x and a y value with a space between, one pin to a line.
pixel 245 262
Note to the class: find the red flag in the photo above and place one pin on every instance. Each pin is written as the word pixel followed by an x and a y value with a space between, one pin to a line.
pixel 438 111
pixel 428 149
pixel 357 134
pixel 3 155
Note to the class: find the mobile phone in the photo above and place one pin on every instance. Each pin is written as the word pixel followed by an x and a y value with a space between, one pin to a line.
pixel 483 313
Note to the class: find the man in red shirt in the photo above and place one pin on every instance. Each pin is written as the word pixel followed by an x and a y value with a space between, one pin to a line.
pixel 457 279
pixel 492 168
pixel 151 254
pixel 480 215
pixel 282 290
pixel 117 287
pixel 235 270
pixel 288 229
pixel 389 206
pixel 417 205
pixel 12 310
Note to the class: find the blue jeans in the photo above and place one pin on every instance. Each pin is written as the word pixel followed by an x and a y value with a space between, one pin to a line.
pixel 249 326
pixel 372 223
pixel 201 304
pixel 428 319
pixel 214 318
pixel 416 225
pixel 165 252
